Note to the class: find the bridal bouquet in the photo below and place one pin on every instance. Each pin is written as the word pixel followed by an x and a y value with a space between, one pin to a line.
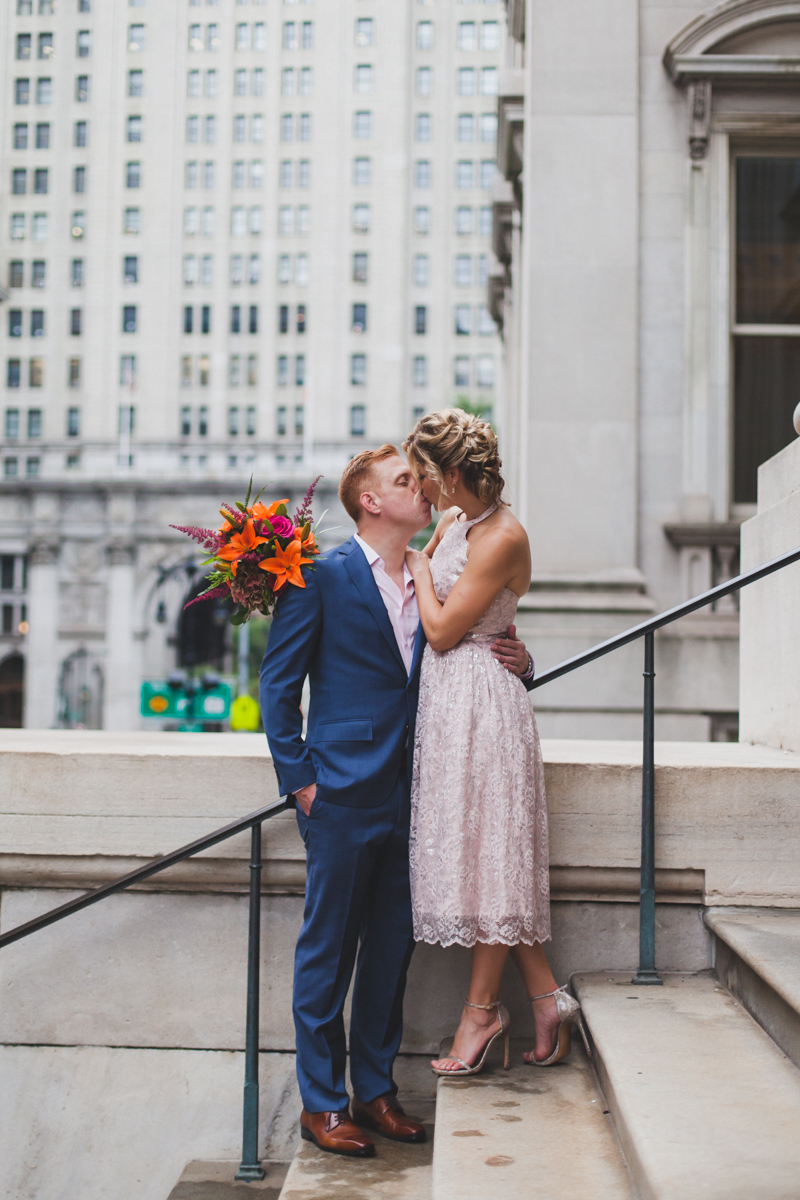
pixel 256 553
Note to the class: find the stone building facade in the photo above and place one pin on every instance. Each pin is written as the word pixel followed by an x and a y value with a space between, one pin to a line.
pixel 646 278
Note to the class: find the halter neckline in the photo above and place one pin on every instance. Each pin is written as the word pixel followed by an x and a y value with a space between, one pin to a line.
pixel 475 520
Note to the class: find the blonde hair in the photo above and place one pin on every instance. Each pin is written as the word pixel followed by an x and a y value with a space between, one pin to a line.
pixel 451 438
pixel 357 478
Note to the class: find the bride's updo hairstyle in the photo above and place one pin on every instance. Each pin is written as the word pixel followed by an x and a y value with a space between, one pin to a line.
pixel 451 438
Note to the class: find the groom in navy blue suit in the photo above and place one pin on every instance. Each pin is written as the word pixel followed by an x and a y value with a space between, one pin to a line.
pixel 354 632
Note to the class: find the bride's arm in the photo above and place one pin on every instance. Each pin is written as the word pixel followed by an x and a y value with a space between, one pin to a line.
pixel 493 562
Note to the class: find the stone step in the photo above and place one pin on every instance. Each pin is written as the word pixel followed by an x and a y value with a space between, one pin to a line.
pixel 757 957
pixel 705 1104
pixel 397 1172
pixel 530 1132
pixel 216 1181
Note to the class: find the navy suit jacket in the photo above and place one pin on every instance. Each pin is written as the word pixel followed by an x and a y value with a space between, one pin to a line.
pixel 363 706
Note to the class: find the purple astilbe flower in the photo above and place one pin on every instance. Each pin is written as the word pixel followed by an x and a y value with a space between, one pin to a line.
pixel 211 594
pixel 208 538
pixel 303 513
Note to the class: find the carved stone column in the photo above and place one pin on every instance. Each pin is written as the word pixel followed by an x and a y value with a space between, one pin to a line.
pixel 42 658
pixel 123 667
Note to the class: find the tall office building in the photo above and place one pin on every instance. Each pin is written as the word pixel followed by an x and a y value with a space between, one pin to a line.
pixel 238 238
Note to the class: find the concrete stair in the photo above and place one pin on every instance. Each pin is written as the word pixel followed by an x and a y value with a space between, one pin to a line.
pixel 216 1181
pixel 757 957
pixel 527 1133
pixel 705 1104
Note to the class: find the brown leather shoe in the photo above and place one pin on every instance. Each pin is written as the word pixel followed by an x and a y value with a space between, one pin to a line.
pixel 335 1132
pixel 387 1116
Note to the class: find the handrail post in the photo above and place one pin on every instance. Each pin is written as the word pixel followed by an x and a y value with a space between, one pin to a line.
pixel 647 973
pixel 250 1167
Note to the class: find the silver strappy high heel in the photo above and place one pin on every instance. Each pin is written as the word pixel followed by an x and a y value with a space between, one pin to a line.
pixel 569 1011
pixel 505 1022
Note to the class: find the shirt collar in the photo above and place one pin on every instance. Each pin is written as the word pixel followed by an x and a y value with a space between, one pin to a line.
pixel 373 557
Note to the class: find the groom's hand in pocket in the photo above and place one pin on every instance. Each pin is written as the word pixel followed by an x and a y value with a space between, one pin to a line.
pixel 305 797
pixel 511 652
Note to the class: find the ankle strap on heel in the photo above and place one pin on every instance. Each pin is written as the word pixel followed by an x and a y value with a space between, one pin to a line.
pixel 486 1007
pixel 546 995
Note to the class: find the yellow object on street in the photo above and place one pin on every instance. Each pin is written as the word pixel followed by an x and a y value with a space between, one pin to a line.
pixel 245 714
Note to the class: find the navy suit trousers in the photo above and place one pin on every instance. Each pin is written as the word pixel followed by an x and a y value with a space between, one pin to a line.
pixel 358 905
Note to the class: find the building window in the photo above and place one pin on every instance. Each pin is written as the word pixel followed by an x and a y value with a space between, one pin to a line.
pixel 43 135
pixel 461 371
pixel 284 268
pixel 487 173
pixel 36 372
pixel 46 48
pixel 74 417
pixel 135 38
pixel 463 323
pixel 463 270
pixel 22 91
pixel 280 420
pixel 37 322
pixel 362 125
pixel 192 129
pixel 486 325
pixel 467 36
pixel 304 173
pixel 32 466
pixel 766 348
pixel 12 423
pixel 299 420
pixel 189 269
pixel 81 89
pixel 301 318
pixel 490 35
pixel 252 378
pixel 17 227
pixel 422 220
pixel 23 46
pixel 132 222
pixel 127 370
pixel 44 90
pixel 239 174
pixel 16 276
pixel 282 375
pixel 234 370
pixel 464 221
pixel 424 35
pixel 204 377
pixel 287 127
pixel 20 137
pixel 424 81
pixel 420 319
pixel 19 181
pixel 304 127
pixel 288 81
pixel 10 466
pixel 465 127
pixel 360 267
pixel 81 134
pixel 420 371
pixel 306 81
pixel 238 221
pixel 252 324
pixel 134 129
pixel 364 31
pixel 133 174
pixel 236 318
pixel 290 35
pixel 15 322
pixel 210 129
pixel 483 269
pixel 240 82
pixel 484 371
pixel 207 222
pixel 303 220
pixel 34 422
pixel 465 173
pixel 186 371
pixel 358 420
pixel 300 370
pixel 422 173
pixel 13 374
pixel 242 36
pixel 283 318
pixel 191 221
pixel 193 85
pixel 202 412
pixel 129 318
pixel 302 272
pixel 489 76
pixel 208 176
pixel 188 319
pixel 186 420
pixel 285 220
pixel 486 221
pixel 466 81
pixel 83 44
pixel 79 180
pixel 39 226
pixel 135 84
pixel 191 175
pixel 362 78
pixel 359 321
pixel 361 218
pixel 76 273
pixel 207 270
pixel 362 172
pixel 488 127
pixel 358 370
pixel 421 270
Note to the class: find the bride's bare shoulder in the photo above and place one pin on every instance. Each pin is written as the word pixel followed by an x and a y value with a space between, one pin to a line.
pixel 504 521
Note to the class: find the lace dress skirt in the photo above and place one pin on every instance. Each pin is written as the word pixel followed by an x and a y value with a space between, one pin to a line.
pixel 478 850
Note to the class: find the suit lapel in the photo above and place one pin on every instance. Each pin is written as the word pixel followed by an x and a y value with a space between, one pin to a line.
pixel 359 571
pixel 419 646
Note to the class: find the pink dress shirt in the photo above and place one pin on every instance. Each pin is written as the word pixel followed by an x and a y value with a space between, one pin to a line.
pixel 401 606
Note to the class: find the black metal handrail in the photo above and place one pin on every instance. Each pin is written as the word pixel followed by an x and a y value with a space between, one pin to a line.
pixel 647 973
pixel 250 1167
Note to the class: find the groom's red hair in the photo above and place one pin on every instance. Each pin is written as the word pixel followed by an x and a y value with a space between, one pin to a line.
pixel 357 477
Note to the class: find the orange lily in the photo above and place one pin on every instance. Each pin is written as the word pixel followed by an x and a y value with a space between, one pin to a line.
pixel 240 543
pixel 262 513
pixel 309 544
pixel 286 564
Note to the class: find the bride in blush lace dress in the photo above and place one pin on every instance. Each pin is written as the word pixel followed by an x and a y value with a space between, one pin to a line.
pixel 478 851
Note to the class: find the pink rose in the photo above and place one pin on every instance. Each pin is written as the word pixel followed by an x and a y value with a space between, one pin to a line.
pixel 283 526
